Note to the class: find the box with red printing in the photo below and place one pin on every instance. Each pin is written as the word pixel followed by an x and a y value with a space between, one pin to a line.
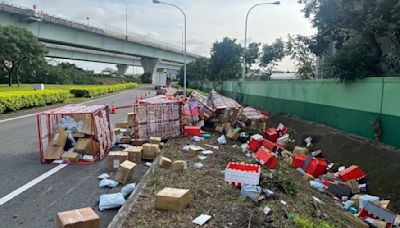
pixel 265 158
pixel 269 145
pixel 272 135
pixel 317 167
pixel 298 160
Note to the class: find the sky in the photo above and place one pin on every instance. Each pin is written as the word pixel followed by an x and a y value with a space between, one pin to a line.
pixel 207 21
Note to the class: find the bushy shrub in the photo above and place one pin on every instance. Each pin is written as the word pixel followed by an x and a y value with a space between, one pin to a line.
pixel 88 91
pixel 16 100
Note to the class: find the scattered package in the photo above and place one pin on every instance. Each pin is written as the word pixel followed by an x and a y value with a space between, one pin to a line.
pixel 110 201
pixel 84 217
pixel 173 199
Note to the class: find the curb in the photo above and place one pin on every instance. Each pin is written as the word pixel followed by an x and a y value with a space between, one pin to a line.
pixel 123 212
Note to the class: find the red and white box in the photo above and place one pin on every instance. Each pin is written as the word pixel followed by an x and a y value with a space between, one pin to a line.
pixel 238 174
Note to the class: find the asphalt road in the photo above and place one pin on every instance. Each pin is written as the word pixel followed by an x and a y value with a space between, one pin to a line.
pixel 72 187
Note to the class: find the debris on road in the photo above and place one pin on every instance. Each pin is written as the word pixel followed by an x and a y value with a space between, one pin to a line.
pixel 110 201
pixel 201 219
pixel 84 217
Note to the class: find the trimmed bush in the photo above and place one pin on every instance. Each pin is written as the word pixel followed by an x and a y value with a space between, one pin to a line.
pixel 100 90
pixel 16 100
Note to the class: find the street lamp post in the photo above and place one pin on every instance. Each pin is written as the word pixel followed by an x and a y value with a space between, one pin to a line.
pixel 180 28
pixel 184 16
pixel 245 33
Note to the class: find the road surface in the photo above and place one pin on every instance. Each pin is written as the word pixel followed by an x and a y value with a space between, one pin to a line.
pixel 70 187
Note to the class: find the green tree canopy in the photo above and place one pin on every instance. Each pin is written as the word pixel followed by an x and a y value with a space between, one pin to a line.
pixel 272 54
pixel 197 70
pixel 252 54
pixel 17 47
pixel 225 62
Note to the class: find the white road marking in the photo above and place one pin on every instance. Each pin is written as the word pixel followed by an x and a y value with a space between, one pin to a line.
pixel 85 102
pixel 30 184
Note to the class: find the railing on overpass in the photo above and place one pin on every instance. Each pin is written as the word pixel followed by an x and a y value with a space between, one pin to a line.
pixel 11 8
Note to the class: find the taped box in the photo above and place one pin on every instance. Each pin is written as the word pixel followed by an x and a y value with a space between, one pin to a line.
pixel 173 199
pixel 84 217
pixel 115 158
pixel 124 173
pixel 134 153
pixel 150 151
pixel 70 156
pixel 87 146
pixel 165 162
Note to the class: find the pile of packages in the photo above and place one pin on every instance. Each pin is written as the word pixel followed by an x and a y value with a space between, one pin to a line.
pixel 346 185
pixel 74 134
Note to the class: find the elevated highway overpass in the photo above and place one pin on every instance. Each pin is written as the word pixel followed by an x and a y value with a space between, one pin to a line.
pixel 67 39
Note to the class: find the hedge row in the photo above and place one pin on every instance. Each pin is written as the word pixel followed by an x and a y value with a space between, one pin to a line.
pixel 100 90
pixel 16 100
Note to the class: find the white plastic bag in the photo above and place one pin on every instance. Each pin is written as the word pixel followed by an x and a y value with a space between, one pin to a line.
pixel 103 176
pixel 108 183
pixel 109 201
pixel 222 139
pixel 128 189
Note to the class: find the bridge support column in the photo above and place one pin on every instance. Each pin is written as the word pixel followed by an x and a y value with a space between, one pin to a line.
pixel 122 68
pixel 150 66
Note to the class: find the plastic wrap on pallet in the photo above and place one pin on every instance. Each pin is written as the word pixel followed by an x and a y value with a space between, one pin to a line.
pixel 217 101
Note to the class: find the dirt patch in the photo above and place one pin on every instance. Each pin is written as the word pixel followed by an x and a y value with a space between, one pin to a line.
pixel 379 161
pixel 211 195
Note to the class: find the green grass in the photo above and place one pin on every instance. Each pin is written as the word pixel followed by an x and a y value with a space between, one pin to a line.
pixel 29 87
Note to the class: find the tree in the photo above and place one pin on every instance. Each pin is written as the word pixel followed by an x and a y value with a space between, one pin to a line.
pixel 197 70
pixel 225 62
pixel 252 54
pixel 17 47
pixel 376 24
pixel 298 48
pixel 272 54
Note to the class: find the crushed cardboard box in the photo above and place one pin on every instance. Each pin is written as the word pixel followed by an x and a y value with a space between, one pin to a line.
pixel 60 137
pixel 115 158
pixel 174 199
pixel 84 217
pixel 125 170
pixel 53 152
pixel 87 146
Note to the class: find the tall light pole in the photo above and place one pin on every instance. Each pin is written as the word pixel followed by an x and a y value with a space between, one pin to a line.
pixel 245 33
pixel 180 28
pixel 184 65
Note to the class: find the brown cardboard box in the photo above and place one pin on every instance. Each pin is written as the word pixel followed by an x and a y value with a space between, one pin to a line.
pixel 223 118
pixel 78 135
pixel 386 204
pixel 300 150
pixel 86 122
pixel 174 199
pixel 356 199
pixel 308 177
pixel 219 128
pixel 379 224
pixel 233 112
pixel 78 218
pixel 232 134
pixel 122 125
pixel 70 156
pixel 226 127
pixel 165 162
pixel 155 140
pixel 150 151
pixel 134 153
pixel 353 184
pixel 124 173
pixel 87 146
pixel 286 154
pixel 53 152
pixel 162 145
pixel 59 138
pixel 117 131
pixel 131 119
pixel 288 160
pixel 178 165
pixel 136 142
pixel 115 158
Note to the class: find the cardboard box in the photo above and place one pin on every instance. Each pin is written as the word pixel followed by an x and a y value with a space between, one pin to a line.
pixel 70 156
pixel 386 204
pixel 150 151
pixel 59 138
pixel 161 145
pixel 136 142
pixel 122 125
pixel 53 152
pixel 117 131
pixel 86 122
pixel 223 118
pixel 233 134
pixel 124 173
pixel 179 165
pixel 286 154
pixel 174 199
pixel 300 150
pixel 155 140
pixel 131 119
pixel 226 127
pixel 134 153
pixel 356 200
pixel 79 218
pixel 232 113
pixel 165 162
pixel 219 128
pixel 115 158
pixel 87 146
pixel 78 135
pixel 308 177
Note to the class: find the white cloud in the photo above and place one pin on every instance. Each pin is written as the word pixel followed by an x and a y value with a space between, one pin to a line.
pixel 207 20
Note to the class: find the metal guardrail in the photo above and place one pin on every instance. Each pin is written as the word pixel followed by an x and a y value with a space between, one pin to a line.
pixel 15 9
